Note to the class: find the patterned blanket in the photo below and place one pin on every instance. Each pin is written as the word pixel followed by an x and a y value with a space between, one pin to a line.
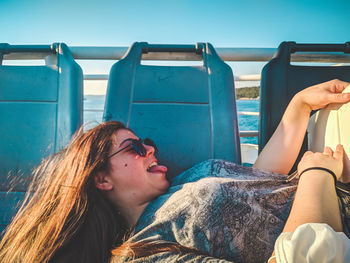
pixel 225 211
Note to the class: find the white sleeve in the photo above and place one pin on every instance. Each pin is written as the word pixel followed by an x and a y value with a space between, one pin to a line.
pixel 312 243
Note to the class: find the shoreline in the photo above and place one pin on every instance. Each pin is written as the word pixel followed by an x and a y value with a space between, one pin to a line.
pixel 249 98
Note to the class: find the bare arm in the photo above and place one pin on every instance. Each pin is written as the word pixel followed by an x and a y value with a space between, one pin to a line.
pixel 316 199
pixel 282 149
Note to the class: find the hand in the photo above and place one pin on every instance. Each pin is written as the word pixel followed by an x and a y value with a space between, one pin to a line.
pixel 319 96
pixel 328 159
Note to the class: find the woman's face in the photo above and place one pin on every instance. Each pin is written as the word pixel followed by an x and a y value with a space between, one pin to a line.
pixel 130 173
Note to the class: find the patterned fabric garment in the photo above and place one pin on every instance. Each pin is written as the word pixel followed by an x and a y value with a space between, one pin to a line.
pixel 225 211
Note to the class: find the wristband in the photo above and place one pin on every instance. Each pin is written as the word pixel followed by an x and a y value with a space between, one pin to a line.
pixel 320 168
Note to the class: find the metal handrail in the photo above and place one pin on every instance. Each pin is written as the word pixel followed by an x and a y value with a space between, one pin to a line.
pixel 248 113
pixel 248 133
pixel 226 54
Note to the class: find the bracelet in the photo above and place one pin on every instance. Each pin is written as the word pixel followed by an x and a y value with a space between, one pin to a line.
pixel 320 168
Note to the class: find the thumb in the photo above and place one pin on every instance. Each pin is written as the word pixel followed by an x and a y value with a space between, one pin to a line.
pixel 339 152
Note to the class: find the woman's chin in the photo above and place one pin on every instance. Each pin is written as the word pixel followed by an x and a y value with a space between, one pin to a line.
pixel 160 182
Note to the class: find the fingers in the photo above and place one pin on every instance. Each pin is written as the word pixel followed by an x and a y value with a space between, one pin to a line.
pixel 328 151
pixel 329 159
pixel 336 85
pixel 339 152
pixel 307 153
pixel 336 88
pixel 340 85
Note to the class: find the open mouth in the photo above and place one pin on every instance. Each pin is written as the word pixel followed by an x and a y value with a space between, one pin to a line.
pixel 150 167
pixel 154 167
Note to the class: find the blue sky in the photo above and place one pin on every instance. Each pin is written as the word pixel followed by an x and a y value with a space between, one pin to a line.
pixel 249 23
pixel 224 23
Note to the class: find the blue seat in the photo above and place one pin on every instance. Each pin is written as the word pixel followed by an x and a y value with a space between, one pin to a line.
pixel 40 109
pixel 189 111
pixel 280 81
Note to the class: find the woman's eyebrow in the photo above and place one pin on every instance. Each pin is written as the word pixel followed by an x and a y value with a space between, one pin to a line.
pixel 126 140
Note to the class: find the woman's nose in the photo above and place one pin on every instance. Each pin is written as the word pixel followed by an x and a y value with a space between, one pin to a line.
pixel 149 149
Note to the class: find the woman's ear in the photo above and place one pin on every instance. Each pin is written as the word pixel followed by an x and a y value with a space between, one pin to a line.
pixel 102 182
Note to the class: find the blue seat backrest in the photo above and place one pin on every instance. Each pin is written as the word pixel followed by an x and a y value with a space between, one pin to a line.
pixel 280 81
pixel 40 109
pixel 189 111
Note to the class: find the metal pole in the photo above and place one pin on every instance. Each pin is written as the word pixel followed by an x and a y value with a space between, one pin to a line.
pixel 226 54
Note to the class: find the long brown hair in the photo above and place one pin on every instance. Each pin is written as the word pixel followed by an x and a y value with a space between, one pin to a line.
pixel 64 217
pixel 128 252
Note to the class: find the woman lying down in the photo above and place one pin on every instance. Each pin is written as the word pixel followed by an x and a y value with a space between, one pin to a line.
pixel 105 198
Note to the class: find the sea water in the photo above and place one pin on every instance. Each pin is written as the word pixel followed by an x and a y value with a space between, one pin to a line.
pixel 248 122
pixel 94 104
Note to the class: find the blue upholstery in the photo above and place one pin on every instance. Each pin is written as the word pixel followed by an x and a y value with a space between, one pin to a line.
pixel 189 111
pixel 40 109
pixel 280 81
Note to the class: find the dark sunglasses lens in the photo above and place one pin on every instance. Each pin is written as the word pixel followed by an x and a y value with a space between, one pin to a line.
pixel 138 147
pixel 149 142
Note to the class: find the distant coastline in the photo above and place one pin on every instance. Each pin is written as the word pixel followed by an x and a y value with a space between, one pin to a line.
pixel 258 98
pixel 248 93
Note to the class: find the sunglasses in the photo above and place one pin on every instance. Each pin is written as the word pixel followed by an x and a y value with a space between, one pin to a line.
pixel 138 147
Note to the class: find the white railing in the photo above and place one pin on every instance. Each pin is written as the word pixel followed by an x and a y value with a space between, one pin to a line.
pixel 248 113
